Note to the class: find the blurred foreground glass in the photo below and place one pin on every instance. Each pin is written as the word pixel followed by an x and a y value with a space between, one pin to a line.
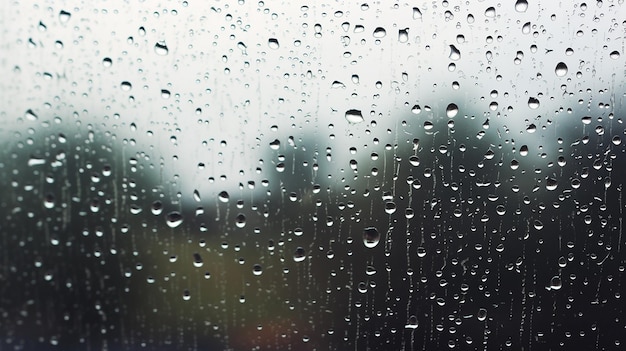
pixel 251 175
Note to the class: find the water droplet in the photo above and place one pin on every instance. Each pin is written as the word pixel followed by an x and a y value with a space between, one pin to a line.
pixel 31 115
pixel 174 219
pixel 414 160
pixel 380 32
pixel 107 62
pixel 64 16
pixel 48 201
pixel 299 255
pixel 273 43
pixel 614 55
pixel 403 35
pixel 240 221
pixel 354 116
pixel 186 295
pixel 126 86
pixel 196 195
pixel 390 207
pixel 455 54
pixel 526 28
pixel 500 210
pixel 411 323
pixel 521 5
pixel 551 184
pixel 371 237
pixel 223 196
pixel 275 145
pixel 160 48
pixel 482 314
pixel 533 103
pixel 157 208
pixel 197 260
pixel 417 14
pixel 586 119
pixel 561 69
pixel 452 110
pixel 490 12
pixel 538 224
pixel 257 269
pixel 556 283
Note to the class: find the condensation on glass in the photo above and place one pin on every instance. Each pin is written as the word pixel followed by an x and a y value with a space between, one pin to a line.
pixel 312 176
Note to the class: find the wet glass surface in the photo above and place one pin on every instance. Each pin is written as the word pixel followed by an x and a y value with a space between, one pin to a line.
pixel 312 176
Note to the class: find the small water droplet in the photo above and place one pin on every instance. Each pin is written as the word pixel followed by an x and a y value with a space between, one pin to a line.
pixel 257 269
pixel 240 221
pixel 107 62
pixel 561 69
pixel 371 237
pixel 538 224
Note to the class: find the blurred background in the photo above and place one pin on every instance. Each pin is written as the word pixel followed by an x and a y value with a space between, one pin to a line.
pixel 323 176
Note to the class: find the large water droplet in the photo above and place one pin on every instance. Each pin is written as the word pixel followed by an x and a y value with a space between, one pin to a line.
pixel 371 237
pixel 452 110
pixel 614 55
pixel 455 54
pixel 299 255
pixel 533 103
pixel 521 5
pixel 197 260
pixel 561 69
pixel 161 48
pixel 411 323
pixel 354 116
pixel 551 184
pixel 174 219
pixel 556 283
pixel 64 16
pixel 490 12
pixel 380 32
pixel 482 314
pixel 223 196
pixel 240 221
pixel 273 43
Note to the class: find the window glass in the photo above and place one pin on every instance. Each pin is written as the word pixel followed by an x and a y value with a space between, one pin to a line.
pixel 250 175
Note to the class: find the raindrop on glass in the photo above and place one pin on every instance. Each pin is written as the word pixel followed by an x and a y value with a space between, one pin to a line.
pixel 371 237
pixel 561 69
pixel 354 116
pixel 174 219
